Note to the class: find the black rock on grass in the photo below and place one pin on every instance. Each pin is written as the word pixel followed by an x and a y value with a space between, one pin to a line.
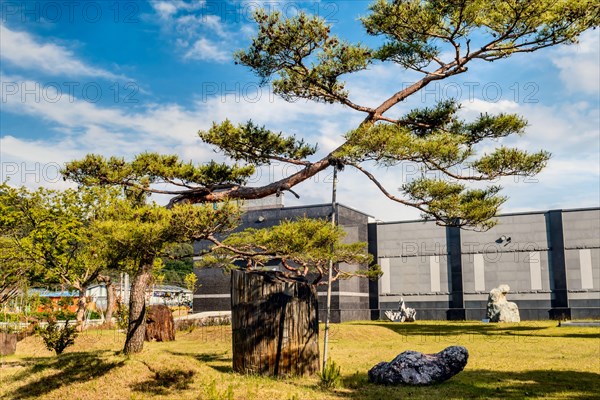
pixel 414 368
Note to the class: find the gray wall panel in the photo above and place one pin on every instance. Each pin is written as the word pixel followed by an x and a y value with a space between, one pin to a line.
pixel 582 228
pixel 410 239
pixel 526 233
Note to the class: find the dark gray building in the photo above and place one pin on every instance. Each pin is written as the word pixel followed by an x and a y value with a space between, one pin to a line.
pixel 551 261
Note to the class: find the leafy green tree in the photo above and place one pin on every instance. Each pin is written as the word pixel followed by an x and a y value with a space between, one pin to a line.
pixel 53 232
pixel 302 59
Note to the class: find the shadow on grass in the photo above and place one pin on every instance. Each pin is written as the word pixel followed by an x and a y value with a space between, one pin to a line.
pixel 71 368
pixel 203 357
pixel 226 369
pixel 165 381
pixel 485 384
pixel 217 361
pixel 477 328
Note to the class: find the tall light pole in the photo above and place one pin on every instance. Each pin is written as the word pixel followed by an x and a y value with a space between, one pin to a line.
pixel 328 311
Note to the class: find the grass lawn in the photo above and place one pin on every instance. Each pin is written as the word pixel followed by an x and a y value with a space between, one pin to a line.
pixel 526 360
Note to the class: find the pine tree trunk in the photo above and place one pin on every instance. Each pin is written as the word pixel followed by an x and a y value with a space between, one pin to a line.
pixel 137 309
pixel 275 325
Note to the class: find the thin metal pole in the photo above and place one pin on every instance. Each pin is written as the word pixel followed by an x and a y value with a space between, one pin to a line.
pixel 328 311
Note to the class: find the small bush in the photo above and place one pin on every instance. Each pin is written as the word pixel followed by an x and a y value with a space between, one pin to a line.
pixel 330 376
pixel 57 338
pixel 94 315
pixel 65 315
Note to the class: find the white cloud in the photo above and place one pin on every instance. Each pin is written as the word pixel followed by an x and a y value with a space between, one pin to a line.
pixel 196 33
pixel 579 64
pixel 24 51
pixel 204 49
pixel 166 9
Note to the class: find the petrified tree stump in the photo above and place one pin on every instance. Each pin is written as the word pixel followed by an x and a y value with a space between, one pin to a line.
pixel 159 324
pixel 275 324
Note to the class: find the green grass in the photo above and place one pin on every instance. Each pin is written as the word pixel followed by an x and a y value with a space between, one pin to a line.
pixel 526 360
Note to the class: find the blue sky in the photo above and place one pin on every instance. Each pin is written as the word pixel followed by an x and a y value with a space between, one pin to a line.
pixel 119 78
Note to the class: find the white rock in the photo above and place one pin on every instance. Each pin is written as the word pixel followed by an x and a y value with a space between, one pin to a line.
pixel 499 309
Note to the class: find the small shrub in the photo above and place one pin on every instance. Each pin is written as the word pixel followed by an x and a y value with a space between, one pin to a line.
pixel 94 315
pixel 57 338
pixel 330 376
pixel 65 315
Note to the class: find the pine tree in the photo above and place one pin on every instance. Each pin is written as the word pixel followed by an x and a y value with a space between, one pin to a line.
pixel 302 59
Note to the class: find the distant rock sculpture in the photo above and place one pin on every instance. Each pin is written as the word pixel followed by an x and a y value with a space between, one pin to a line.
pixel 159 324
pixel 414 368
pixel 404 314
pixel 499 309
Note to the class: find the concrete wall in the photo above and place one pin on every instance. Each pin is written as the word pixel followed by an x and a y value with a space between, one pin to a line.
pixel 550 260
pixel 582 259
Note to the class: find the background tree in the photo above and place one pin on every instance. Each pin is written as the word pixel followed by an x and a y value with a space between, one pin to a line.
pixel 178 264
pixel 302 59
pixel 53 231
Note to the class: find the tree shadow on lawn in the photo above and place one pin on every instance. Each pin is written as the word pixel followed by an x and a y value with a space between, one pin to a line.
pixel 477 328
pixel 485 384
pixel 72 368
pixel 166 380
pixel 203 357
pixel 215 361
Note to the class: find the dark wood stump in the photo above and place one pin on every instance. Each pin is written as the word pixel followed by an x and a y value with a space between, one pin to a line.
pixel 159 324
pixel 8 343
pixel 275 324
